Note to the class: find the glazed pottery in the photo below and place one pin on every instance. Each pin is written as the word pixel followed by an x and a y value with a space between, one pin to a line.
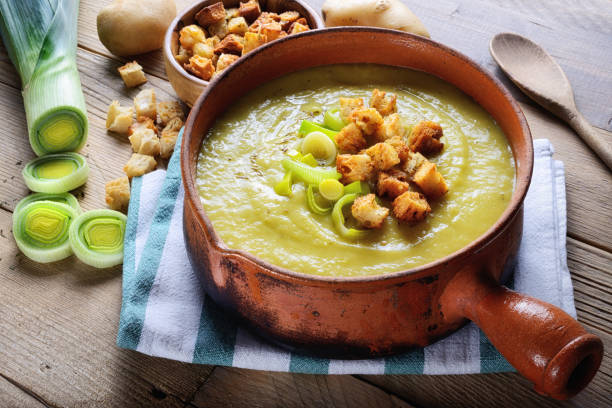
pixel 386 314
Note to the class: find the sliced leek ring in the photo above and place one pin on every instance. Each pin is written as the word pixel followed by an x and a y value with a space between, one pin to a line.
pixel 64 198
pixel 320 146
pixel 96 237
pixel 56 173
pixel 41 230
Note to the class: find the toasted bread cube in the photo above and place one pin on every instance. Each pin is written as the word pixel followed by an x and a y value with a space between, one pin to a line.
pixel 145 141
pixel 169 135
pixel 145 105
pixel 391 127
pixel 402 149
pixel 232 44
pixel 287 18
pixel 183 56
pixel 390 186
pixel 263 19
pixel 119 119
pixel 231 13
pixel 249 10
pixel 169 110
pixel 190 35
pixel 348 105
pixel 142 122
pixel 201 67
pixel 350 139
pixel 237 25
pixel 367 119
pixel 298 28
pixel 383 156
pixel 117 193
pixel 302 21
pixel 429 179
pixel 414 161
pixel 225 60
pixel 211 14
pixel 355 167
pixel 411 206
pixel 368 213
pixel 252 41
pixel 204 49
pixel 385 105
pixel 132 74
pixel 425 138
pixel 213 41
pixel 272 30
pixel 219 29
pixel 139 164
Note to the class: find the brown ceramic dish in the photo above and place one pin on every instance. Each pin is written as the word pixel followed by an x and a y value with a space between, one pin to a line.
pixel 189 87
pixel 381 315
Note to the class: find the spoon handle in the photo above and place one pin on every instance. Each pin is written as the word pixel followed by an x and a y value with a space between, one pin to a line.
pixel 600 146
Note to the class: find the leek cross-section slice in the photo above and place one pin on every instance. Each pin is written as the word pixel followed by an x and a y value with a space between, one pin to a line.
pixel 339 222
pixel 320 146
pixel 331 189
pixel 312 202
pixel 96 237
pixel 307 174
pixel 56 173
pixel 64 198
pixel 308 127
pixel 332 120
pixel 41 230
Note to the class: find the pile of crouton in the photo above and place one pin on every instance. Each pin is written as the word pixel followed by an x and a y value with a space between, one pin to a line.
pixel 231 33
pixel 374 149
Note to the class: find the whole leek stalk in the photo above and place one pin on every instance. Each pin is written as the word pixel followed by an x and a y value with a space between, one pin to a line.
pixel 40 37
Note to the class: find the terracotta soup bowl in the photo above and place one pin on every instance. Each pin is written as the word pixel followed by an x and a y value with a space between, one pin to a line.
pixel 385 314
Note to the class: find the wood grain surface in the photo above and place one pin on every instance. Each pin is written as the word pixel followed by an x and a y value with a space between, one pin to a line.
pixel 58 322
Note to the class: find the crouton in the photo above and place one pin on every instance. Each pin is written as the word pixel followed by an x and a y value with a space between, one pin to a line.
pixel 232 44
pixel 249 10
pixel 142 122
pixel 139 164
pixel 385 105
pixel 402 149
pixel 211 14
pixel 302 21
pixel 429 179
pixel 231 13
pixel 411 206
pixel 237 25
pixel 272 30
pixel 263 19
pixel 204 49
pixel 117 194
pixel 132 74
pixel 252 41
pixel 168 137
pixel 225 60
pixel 201 67
pixel 413 163
pixel 144 104
pixel 183 56
pixel 213 41
pixel 350 139
pixel 356 167
pixel 287 18
pixel 119 119
pixel 391 127
pixel 169 110
pixel 367 119
pixel 348 105
pixel 219 29
pixel 390 186
pixel 190 35
pixel 367 212
pixel 383 156
pixel 425 138
pixel 145 141
pixel 298 28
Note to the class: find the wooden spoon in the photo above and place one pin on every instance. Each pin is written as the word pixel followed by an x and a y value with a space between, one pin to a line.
pixel 535 72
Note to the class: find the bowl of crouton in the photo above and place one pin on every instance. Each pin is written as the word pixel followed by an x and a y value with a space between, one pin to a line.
pixel 206 38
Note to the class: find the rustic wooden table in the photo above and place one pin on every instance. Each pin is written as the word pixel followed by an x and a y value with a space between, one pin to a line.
pixel 58 322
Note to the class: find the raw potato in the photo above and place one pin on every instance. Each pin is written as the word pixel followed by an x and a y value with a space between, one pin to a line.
pixel 378 13
pixel 130 27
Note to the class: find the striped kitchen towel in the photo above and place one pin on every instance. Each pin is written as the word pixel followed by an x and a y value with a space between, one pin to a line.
pixel 166 314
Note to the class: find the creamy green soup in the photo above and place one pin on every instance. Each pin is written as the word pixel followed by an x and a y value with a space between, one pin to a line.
pixel 240 163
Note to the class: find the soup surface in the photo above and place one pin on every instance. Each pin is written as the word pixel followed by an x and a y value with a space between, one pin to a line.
pixel 240 163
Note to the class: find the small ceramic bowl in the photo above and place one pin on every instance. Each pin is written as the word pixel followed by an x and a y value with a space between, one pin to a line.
pixel 187 86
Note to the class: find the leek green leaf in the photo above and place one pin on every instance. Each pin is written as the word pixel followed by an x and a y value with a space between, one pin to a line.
pixel 308 174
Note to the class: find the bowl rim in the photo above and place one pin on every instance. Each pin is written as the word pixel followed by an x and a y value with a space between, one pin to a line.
pixel 522 182
pixel 167 51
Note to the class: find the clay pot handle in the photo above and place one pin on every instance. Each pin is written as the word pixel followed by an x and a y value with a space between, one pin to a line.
pixel 545 344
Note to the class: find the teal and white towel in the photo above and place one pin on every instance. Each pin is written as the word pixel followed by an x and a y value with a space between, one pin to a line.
pixel 165 312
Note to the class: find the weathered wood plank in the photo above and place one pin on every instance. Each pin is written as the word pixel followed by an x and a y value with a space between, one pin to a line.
pixel 12 396
pixel 236 388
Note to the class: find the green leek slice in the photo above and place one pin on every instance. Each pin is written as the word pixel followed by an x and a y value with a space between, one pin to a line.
pixel 312 202
pixel 56 173
pixel 339 222
pixel 308 127
pixel 332 120
pixel 357 187
pixel 320 146
pixel 64 198
pixel 331 189
pixel 96 237
pixel 41 37
pixel 310 160
pixel 41 230
pixel 308 174
pixel 283 187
